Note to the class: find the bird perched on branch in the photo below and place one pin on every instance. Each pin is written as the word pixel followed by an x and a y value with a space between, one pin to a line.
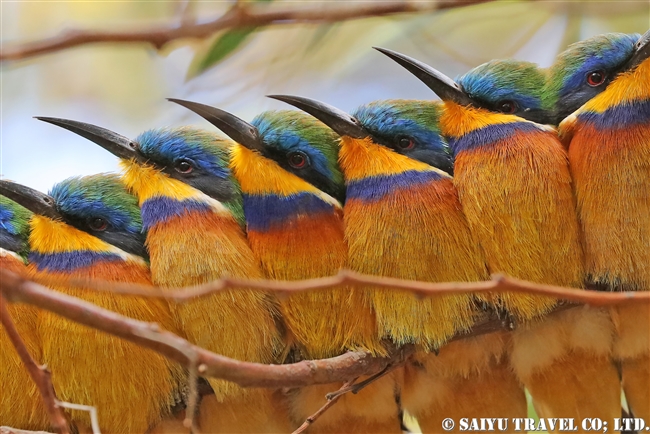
pixel 514 184
pixel 420 234
pixel 192 211
pixel 90 227
pixel 21 405
pixel 293 190
pixel 609 153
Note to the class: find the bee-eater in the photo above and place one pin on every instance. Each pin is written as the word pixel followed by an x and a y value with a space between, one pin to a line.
pixel 293 191
pixel 90 227
pixel 510 86
pixel 192 211
pixel 515 189
pixel 403 219
pixel 609 154
pixel 20 402
pixel 586 69
pixel 547 96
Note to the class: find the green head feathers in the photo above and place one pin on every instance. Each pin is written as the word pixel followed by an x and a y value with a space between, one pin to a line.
pixel 101 206
pixel 304 146
pixel 510 86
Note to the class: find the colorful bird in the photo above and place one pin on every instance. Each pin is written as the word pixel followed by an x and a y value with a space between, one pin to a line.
pixel 192 211
pixel 90 227
pixel 21 405
pixel 293 190
pixel 547 96
pixel 515 189
pixel 609 153
pixel 512 87
pixel 403 219
pixel 586 69
pixel 471 377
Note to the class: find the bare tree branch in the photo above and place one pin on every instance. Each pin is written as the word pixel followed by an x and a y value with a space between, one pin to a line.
pixel 149 335
pixel 497 284
pixel 39 374
pixel 236 17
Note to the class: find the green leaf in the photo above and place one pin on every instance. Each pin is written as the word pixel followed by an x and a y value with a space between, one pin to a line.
pixel 223 46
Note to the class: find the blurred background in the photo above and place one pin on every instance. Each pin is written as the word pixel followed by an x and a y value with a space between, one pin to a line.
pixel 123 86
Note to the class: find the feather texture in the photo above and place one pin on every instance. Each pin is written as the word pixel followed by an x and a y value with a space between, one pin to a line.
pixel 609 153
pixel 20 401
pixel 296 232
pixel 194 239
pixel 90 367
pixel 404 239
pixel 515 188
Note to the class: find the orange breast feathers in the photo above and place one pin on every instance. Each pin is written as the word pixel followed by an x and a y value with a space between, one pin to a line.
pixel 405 221
pixel 515 189
pixel 71 352
pixel 218 248
pixel 611 172
pixel 20 402
pixel 296 232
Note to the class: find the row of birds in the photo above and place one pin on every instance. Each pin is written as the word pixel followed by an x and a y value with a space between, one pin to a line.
pixel 483 181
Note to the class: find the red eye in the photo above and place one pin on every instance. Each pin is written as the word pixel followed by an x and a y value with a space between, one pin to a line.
pixel 405 143
pixel 297 160
pixel 183 166
pixel 507 106
pixel 596 78
pixel 97 224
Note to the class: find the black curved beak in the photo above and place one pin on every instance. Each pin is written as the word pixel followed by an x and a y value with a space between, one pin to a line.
pixel 237 129
pixel 116 144
pixel 446 88
pixel 342 123
pixel 641 52
pixel 33 200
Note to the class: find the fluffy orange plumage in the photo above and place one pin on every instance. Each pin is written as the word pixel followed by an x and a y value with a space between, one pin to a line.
pixel 21 405
pixel 515 188
pixel 609 153
pixel 71 351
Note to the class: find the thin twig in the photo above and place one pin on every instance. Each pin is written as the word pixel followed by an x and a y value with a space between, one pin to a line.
pixel 497 284
pixel 398 360
pixel 10 430
pixel 330 402
pixel 39 374
pixel 236 17
pixel 94 420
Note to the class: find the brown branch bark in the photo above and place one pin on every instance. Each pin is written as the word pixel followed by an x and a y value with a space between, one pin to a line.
pixel 39 374
pixel 238 16
pixel 148 335
pixel 499 283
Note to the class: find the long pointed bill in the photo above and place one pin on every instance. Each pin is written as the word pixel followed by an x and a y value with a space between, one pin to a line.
pixel 33 200
pixel 237 129
pixel 443 86
pixel 116 144
pixel 342 123
pixel 641 52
